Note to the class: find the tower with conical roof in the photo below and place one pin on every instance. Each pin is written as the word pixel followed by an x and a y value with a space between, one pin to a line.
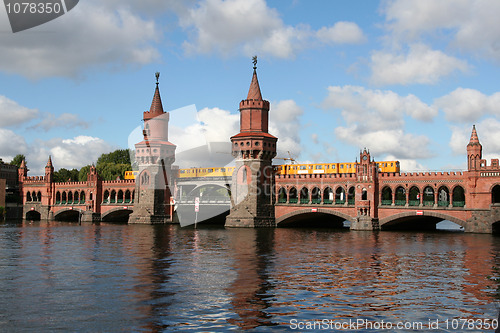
pixel 253 148
pixel 154 156
pixel 474 151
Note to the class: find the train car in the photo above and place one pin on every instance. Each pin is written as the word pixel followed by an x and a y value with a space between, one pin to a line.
pixel 131 174
pixel 388 166
pixel 206 172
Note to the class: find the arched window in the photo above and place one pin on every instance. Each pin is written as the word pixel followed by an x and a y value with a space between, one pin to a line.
pixel 428 199
pixel 106 197
pixel 351 195
pixel 414 198
pixel 145 178
pixel 328 195
pixel 364 194
pixel 282 195
pixel 28 196
pixel 70 197
pixel 120 196
pixel 339 195
pixel 292 196
pixel 127 196
pixel 33 196
pixel 63 198
pixel 316 196
pixel 76 197
pixel 495 194
pixel 458 196
pixel 39 196
pixel 400 196
pixel 443 197
pixel 82 197
pixel 58 198
pixel 304 195
pixel 386 196
pixel 112 199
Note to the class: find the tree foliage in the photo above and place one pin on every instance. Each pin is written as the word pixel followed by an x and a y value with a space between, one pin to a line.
pixel 120 156
pixel 17 160
pixel 65 175
pixel 82 175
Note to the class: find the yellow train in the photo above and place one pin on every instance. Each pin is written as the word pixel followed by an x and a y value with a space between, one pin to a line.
pixel 329 168
pixel 284 169
pixel 206 172
pixel 130 174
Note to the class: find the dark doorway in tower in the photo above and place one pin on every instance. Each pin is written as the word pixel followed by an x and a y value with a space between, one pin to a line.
pixel 495 195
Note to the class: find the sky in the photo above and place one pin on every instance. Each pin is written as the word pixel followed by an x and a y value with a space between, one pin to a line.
pixel 405 79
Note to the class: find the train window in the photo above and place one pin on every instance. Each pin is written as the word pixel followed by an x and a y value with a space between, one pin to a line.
pixel 210 170
pixel 319 166
pixel 333 166
pixel 392 164
pixel 223 169
pixel 310 167
pixel 341 166
pixel 303 167
pixel 182 171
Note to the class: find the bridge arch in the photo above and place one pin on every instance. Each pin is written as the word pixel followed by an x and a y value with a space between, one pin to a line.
pixel 409 220
pixel 33 215
pixel 118 214
pixel 209 190
pixel 313 218
pixel 68 214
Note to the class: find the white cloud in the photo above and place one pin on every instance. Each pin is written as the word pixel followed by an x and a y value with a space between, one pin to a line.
pixel 407 165
pixel 375 119
pixel 488 131
pixel 341 33
pixel 471 24
pixel 11 144
pixel 90 35
pixel 374 110
pixel 284 123
pixel 421 65
pixel 65 120
pixel 394 142
pixel 251 27
pixel 468 105
pixel 11 113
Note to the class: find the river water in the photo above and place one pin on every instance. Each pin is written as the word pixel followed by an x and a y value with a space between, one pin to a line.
pixel 59 276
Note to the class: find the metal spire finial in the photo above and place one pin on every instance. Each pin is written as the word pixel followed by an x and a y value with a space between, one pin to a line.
pixel 157 74
pixel 254 60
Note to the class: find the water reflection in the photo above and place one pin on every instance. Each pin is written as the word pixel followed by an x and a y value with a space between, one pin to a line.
pixel 252 289
pixel 107 277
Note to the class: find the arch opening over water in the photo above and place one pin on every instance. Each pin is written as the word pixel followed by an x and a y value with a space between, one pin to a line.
pixel 308 219
pixel 70 215
pixel 423 223
pixel 116 215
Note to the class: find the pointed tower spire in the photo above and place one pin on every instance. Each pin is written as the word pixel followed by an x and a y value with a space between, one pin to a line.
pixel 254 91
pixel 474 140
pixel 156 105
pixel 49 163
pixel 23 164
pixel 474 151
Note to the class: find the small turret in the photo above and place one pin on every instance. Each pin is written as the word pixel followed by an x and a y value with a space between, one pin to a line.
pixel 474 151
pixel 49 171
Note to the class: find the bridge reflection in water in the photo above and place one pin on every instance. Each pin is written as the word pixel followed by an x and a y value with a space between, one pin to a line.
pixel 163 278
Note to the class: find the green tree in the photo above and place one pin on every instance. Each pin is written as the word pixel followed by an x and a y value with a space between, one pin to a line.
pixel 65 175
pixel 82 175
pixel 17 160
pixel 119 156
pixel 113 165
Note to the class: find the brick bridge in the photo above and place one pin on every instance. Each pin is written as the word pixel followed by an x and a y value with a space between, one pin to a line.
pixel 367 198
pixel 370 200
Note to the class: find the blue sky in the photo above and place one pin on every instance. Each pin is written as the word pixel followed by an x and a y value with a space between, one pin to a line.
pixel 405 79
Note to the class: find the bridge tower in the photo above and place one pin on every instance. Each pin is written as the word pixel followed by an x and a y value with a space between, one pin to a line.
pixel 49 180
pixel 154 156
pixel 366 193
pixel 474 151
pixel 253 148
